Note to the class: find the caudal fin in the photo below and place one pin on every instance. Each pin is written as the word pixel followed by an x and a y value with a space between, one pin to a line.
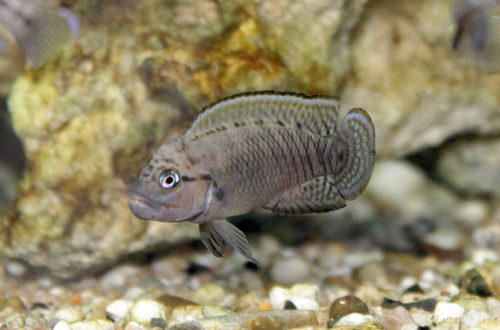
pixel 358 132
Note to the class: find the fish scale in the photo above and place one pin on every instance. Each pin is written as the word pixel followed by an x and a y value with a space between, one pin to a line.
pixel 281 151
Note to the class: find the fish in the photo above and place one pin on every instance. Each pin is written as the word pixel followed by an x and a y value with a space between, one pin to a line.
pixel 285 152
pixel 38 29
pixel 478 29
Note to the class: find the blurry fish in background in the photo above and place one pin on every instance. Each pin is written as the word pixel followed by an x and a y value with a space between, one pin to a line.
pixel 285 152
pixel 478 31
pixel 38 29
pixel 30 32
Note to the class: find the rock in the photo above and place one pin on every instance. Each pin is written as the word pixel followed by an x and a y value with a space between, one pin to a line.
pixel 144 310
pixel 119 309
pixel 158 322
pixel 320 62
pixel 61 325
pixel 93 325
pixel 354 319
pixel 417 197
pixel 172 301
pixel 475 284
pixel 303 296
pixel 210 294
pixel 15 269
pixel 346 305
pixel 69 315
pixel 371 273
pixel 472 317
pixel 182 314
pixel 213 311
pixel 398 318
pixel 445 310
pixel 290 271
pixel 471 167
pixel 15 304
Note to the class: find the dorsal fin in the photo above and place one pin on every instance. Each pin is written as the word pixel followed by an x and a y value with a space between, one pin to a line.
pixel 316 114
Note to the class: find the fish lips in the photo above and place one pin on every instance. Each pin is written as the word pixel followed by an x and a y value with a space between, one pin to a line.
pixel 142 207
pixel 146 208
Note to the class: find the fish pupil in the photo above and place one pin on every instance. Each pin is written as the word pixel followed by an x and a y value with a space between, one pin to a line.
pixel 169 179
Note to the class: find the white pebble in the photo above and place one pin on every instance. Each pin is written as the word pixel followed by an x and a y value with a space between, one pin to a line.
pixel 70 315
pixel 290 271
pixel 144 310
pixel 278 296
pixel 480 256
pixel 62 325
pixel 93 325
pixel 473 317
pixel 445 310
pixel 15 269
pixel 119 309
pixel 305 303
pixel 303 296
pixel 354 319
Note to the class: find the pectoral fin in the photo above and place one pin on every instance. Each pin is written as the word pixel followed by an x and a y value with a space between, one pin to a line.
pixel 215 235
pixel 317 195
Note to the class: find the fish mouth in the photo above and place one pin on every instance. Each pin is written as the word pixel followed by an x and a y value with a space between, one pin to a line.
pixel 141 206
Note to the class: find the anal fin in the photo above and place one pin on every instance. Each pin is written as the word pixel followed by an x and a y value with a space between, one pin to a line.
pixel 216 234
pixel 317 195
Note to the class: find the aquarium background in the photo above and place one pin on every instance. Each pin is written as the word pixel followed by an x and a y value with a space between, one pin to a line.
pixel 427 226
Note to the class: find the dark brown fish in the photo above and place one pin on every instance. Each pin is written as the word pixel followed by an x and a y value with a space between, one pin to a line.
pixel 283 152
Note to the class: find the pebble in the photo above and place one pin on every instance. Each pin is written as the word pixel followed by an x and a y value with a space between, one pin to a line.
pixel 344 306
pixel 372 273
pixel 481 256
pixel 118 276
pixel 397 318
pixel 183 314
pixel 303 296
pixel 144 310
pixel 15 269
pixel 472 317
pixel 93 325
pixel 475 284
pixel 210 294
pixel 119 309
pixel 354 319
pixel 213 311
pixel 15 304
pixel 445 310
pixel 69 315
pixel 62 325
pixel 290 271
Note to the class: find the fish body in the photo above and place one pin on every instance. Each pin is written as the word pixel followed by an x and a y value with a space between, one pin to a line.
pixel 283 152
pixel 38 29
pixel 478 30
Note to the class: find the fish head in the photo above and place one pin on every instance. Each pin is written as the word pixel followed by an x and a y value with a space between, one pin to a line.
pixel 171 188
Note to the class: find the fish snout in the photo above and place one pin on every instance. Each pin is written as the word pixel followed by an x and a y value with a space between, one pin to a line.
pixel 141 206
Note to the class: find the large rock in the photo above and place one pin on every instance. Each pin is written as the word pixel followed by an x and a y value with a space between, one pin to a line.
pixel 141 70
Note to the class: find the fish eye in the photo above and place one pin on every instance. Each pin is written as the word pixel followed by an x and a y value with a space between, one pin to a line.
pixel 169 179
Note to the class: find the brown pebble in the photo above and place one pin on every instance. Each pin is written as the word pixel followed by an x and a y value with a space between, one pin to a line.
pixel 75 299
pixel 170 302
pixel 15 304
pixel 344 306
pixel 265 306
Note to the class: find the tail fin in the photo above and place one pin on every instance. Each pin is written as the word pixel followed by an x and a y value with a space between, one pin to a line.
pixel 358 132
pixel 39 30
